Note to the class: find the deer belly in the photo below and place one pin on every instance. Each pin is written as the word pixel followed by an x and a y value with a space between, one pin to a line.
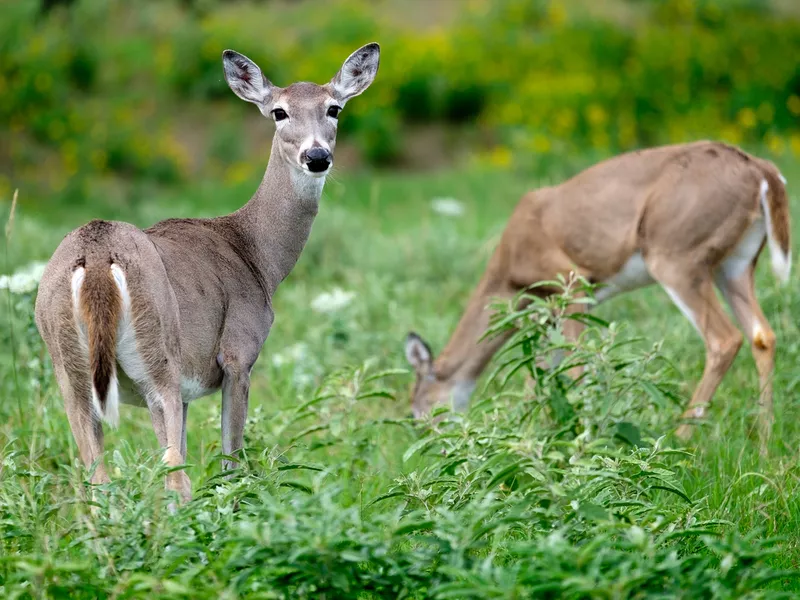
pixel 192 389
pixel 631 276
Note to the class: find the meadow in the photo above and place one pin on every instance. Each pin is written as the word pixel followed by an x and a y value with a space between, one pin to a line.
pixel 569 491
pixel 118 110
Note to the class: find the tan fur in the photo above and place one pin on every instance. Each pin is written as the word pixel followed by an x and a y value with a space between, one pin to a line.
pixel 188 304
pixel 100 307
pixel 779 207
pixel 684 208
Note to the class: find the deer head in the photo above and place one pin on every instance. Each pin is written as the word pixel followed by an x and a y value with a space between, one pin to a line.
pixel 305 114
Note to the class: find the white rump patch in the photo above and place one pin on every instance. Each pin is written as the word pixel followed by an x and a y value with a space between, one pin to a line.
pixel 631 276
pixel 127 354
pixel 781 263
pixel 743 254
pixel 78 276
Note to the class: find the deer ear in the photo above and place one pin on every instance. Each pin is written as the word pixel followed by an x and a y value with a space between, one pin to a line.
pixel 357 72
pixel 418 353
pixel 245 78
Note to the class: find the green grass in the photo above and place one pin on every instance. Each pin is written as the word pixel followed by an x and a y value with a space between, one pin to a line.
pixel 580 518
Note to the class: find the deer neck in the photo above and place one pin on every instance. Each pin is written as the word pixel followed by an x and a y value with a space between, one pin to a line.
pixel 277 220
pixel 466 354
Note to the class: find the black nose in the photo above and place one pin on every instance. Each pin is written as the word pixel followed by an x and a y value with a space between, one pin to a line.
pixel 317 159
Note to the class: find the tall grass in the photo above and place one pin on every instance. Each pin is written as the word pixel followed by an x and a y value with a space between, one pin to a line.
pixel 557 489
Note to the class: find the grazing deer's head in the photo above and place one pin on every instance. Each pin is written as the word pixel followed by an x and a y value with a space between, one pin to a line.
pixel 305 114
pixel 431 389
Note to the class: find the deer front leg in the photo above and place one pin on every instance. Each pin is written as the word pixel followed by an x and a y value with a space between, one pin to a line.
pixel 235 398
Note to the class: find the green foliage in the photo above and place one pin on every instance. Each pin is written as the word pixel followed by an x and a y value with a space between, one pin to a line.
pixel 94 89
pixel 517 498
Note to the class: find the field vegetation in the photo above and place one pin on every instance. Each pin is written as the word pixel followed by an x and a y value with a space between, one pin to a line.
pixel 563 489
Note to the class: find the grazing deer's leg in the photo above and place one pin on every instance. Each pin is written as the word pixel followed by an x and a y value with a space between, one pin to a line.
pixel 165 413
pixel 693 293
pixel 739 292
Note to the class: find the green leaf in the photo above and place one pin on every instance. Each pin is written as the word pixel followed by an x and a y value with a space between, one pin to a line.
pixel 412 527
pixel 593 512
pixel 630 434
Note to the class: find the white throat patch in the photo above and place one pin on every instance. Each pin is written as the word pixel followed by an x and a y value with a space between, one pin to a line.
pixel 305 185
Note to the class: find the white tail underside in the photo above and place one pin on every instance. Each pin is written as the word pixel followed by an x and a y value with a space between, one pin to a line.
pixel 781 263
pixel 111 413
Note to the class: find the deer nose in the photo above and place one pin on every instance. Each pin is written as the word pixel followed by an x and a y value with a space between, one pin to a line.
pixel 317 159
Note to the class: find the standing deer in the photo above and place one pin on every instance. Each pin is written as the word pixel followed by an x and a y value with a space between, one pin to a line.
pixel 688 217
pixel 162 316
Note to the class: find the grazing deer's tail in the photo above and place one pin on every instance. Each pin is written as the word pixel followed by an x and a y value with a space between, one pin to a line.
pixel 99 305
pixel 775 204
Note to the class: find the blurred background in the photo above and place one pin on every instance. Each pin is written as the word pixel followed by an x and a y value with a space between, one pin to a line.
pixel 103 101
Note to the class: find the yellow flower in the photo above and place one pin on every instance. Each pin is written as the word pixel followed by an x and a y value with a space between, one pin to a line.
pixel 564 121
pixel 775 144
pixel 541 144
pixel 794 142
pixel 746 118
pixel 237 173
pixel 556 13
pixel 793 104
pixel 499 156
pixel 596 116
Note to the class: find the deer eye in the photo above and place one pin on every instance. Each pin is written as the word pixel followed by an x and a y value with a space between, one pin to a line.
pixel 279 114
pixel 333 111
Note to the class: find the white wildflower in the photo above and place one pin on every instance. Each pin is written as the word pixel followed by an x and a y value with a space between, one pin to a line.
pixel 23 280
pixel 449 207
pixel 293 354
pixel 328 302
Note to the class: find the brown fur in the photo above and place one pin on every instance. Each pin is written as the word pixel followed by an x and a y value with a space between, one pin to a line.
pixel 683 208
pixel 778 207
pixel 200 289
pixel 100 306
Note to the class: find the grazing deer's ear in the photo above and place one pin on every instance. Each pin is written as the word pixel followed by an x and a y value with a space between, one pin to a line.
pixel 357 72
pixel 418 353
pixel 245 78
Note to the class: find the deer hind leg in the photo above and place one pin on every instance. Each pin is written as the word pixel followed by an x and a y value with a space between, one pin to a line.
pixel 166 414
pixel 693 293
pixel 739 293
pixel 71 366
pixel 84 423
pixel 148 350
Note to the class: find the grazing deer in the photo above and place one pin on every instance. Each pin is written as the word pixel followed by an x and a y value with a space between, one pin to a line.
pixel 162 316
pixel 688 217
